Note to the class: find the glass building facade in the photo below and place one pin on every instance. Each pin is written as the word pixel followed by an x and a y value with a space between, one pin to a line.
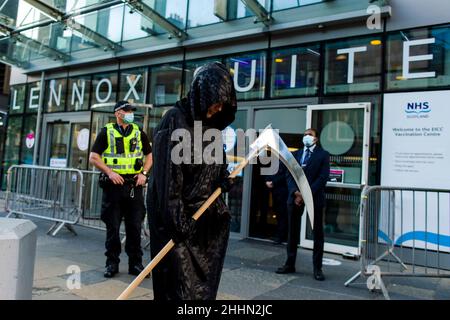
pixel 274 84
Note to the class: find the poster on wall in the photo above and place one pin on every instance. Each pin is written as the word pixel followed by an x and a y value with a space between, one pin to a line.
pixel 416 153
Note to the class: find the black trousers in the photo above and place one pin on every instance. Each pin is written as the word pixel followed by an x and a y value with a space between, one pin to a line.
pixel 118 204
pixel 294 219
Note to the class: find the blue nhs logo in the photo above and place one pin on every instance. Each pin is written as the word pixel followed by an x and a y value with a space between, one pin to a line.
pixel 418 107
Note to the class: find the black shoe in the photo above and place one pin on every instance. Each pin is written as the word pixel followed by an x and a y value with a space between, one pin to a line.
pixel 136 270
pixel 285 269
pixel 318 275
pixel 111 270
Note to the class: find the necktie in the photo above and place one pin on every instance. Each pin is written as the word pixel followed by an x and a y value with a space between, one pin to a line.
pixel 307 156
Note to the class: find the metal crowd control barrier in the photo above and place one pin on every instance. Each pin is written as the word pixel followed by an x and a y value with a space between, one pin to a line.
pixel 66 196
pixel 46 193
pixel 405 232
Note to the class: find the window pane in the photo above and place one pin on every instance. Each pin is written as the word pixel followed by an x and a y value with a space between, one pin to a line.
pixel 165 84
pixel 189 72
pixel 201 12
pixel 285 4
pixel 136 26
pixel 28 138
pixel 295 72
pixel 353 65
pixel 237 9
pixel 17 104
pixel 104 87
pixel 55 95
pixel 107 22
pixel 375 129
pixel 133 83
pixel 173 10
pixel 12 145
pixel 79 93
pixel 249 72
pixel 33 90
pixel 436 71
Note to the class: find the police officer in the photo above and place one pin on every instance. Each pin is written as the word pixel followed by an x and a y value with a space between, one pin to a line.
pixel 122 153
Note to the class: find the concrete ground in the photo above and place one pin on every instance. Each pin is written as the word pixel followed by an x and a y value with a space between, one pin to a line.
pixel 248 273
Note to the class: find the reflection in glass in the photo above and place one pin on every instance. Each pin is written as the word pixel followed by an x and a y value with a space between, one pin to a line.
pixel 28 138
pixel 79 93
pixel 201 12
pixel 55 95
pixel 104 87
pixel 133 83
pixel 106 22
pixel 59 145
pixel 437 68
pixel 249 74
pixel 17 99
pixel 165 84
pixel 353 65
pixel 341 133
pixel 173 10
pixel 341 221
pixel 33 93
pixel 79 146
pixel 237 9
pixel 295 72
pixel 12 145
pixel 285 4
pixel 265 211
pixel 375 130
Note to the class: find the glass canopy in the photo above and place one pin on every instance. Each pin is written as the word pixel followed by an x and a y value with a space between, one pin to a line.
pixel 36 29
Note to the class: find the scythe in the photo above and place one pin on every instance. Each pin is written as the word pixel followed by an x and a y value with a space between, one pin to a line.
pixel 267 140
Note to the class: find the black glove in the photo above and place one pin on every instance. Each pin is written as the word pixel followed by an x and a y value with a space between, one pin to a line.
pixel 226 184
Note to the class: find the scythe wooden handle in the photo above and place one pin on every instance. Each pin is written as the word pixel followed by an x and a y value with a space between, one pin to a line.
pixel 137 281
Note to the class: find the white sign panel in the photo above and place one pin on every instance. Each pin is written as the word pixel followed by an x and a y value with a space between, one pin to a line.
pixel 58 162
pixel 416 140
pixel 416 153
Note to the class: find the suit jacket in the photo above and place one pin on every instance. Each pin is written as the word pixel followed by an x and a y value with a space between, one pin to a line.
pixel 317 172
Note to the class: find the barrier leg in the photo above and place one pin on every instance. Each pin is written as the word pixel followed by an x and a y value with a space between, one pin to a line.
pixel 391 251
pixel 352 279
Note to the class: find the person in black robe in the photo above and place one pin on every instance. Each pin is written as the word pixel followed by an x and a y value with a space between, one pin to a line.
pixel 192 269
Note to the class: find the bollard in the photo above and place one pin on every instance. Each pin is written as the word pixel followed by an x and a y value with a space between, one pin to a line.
pixel 17 256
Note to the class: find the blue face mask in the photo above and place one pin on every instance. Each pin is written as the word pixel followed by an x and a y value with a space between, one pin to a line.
pixel 308 141
pixel 128 118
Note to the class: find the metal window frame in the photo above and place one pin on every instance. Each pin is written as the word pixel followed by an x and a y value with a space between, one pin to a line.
pixel 69 21
pixel 153 15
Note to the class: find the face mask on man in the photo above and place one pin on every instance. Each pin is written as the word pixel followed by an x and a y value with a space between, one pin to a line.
pixel 308 140
pixel 128 118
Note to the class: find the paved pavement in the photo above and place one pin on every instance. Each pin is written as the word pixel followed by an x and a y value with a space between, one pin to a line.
pixel 248 273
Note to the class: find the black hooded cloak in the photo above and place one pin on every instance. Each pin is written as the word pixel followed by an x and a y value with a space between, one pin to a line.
pixel 192 269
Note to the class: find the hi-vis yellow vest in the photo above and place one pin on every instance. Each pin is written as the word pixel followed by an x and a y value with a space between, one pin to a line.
pixel 122 163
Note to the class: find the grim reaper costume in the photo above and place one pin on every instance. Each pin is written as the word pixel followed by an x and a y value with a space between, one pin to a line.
pixel 192 269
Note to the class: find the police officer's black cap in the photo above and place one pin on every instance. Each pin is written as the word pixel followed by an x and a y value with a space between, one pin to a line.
pixel 124 105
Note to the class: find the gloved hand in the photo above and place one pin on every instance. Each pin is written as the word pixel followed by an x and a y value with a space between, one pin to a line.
pixel 225 185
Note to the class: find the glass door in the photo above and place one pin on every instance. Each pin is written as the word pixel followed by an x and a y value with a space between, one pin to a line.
pixel 268 211
pixel 344 133
pixel 79 146
pixel 66 140
pixel 59 144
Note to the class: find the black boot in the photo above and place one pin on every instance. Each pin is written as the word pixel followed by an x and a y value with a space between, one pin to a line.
pixel 136 269
pixel 111 270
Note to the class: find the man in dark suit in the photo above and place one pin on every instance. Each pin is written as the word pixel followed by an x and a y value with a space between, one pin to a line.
pixel 315 163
